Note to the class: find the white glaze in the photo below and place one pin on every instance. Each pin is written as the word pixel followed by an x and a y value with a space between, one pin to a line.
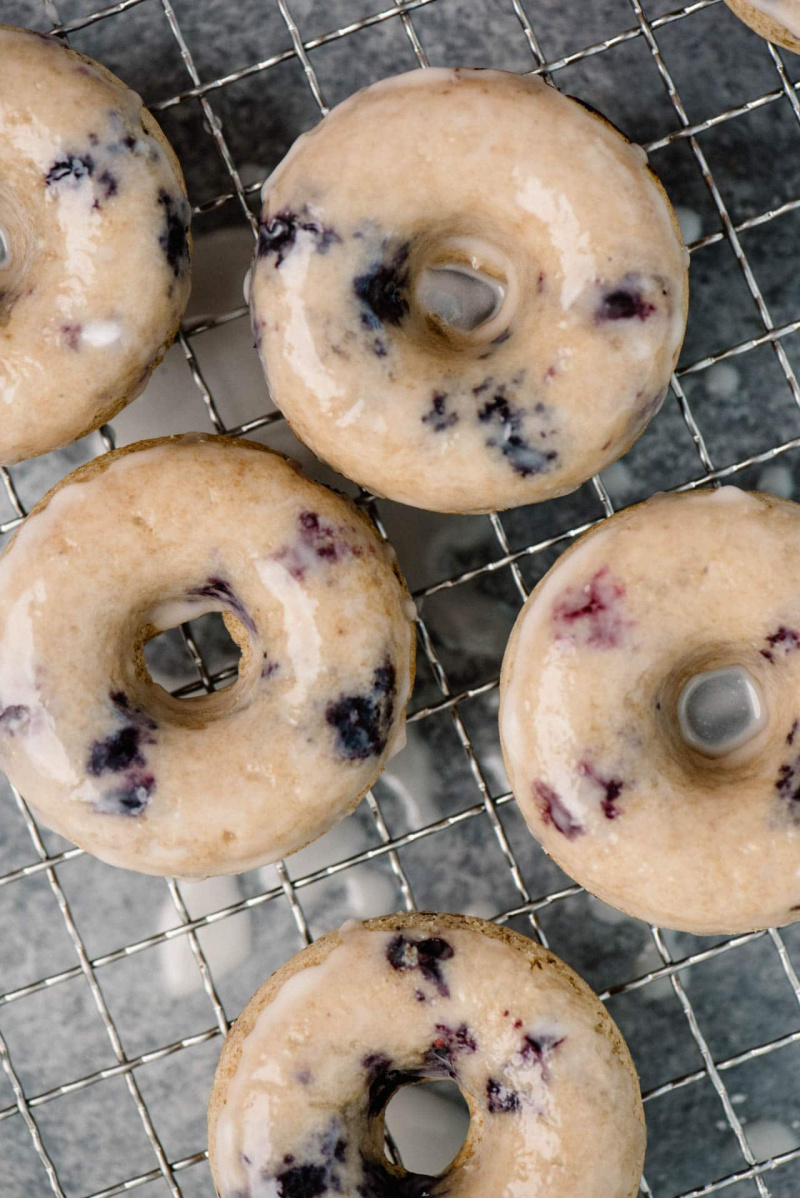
pixel 563 1122
pixel 121 553
pixel 95 217
pixel 450 419
pixel 785 12
pixel 589 719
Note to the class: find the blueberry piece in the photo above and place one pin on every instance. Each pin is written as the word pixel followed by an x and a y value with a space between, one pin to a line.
pixel 116 753
pixel 383 290
pixel 449 1044
pixel 109 184
pixel 555 812
pixel 427 956
pixel 278 235
pixel 73 166
pixel 174 239
pixel 781 643
pixel 506 425
pixel 362 722
pixel 303 1181
pixel 624 304
pixel 438 418
pixel 788 784
pixel 501 1099
pixel 129 799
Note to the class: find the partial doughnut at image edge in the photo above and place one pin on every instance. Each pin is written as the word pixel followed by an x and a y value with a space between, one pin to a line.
pixel 775 20
pixel 308 1069
pixel 650 706
pixel 95 245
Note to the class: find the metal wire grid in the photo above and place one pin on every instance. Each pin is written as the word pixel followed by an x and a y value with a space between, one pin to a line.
pixel 529 905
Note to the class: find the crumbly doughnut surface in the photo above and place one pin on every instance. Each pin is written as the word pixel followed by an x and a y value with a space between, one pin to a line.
pixel 94 244
pixel 469 291
pixel 140 541
pixel 776 20
pixel 650 706
pixel 308 1068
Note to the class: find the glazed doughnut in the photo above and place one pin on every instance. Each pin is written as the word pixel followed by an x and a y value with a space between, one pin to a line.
pixel 469 292
pixel 150 536
pixel 776 20
pixel 94 245
pixel 299 1096
pixel 650 706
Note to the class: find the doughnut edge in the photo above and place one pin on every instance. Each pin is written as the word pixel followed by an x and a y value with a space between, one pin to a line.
pixel 316 953
pixel 764 25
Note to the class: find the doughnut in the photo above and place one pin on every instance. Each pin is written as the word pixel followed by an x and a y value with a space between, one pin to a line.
pixel 776 20
pixel 94 245
pixel 469 292
pixel 650 708
pixel 146 538
pixel 297 1107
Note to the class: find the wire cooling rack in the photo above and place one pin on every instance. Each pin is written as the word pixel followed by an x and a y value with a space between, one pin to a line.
pixel 727 1155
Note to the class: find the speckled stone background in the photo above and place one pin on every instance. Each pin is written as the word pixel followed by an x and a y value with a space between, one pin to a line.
pixel 744 405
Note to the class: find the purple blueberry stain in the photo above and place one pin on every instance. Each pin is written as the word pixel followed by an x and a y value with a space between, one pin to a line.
pixel 221 590
pixel 362 722
pixel 129 799
pixel 174 237
pixel 624 302
pixel 437 417
pixel 593 614
pixel 71 335
pixel 506 426
pixel 116 752
pixel 787 785
pixel 501 1099
pixel 441 1059
pixel 278 235
pixel 317 541
pixel 14 718
pixel 781 643
pixel 122 753
pixel 610 788
pixel 428 955
pixel 790 735
pixel 71 168
pixel 383 290
pixel 314 1171
pixel 555 812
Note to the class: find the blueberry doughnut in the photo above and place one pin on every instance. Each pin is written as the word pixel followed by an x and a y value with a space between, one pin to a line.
pixel 469 292
pixel 148 537
pixel 298 1103
pixel 94 245
pixel 650 707
pixel 776 20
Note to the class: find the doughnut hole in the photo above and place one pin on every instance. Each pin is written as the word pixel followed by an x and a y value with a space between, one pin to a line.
pixel 15 253
pixel 428 1122
pixel 671 702
pixel 464 291
pixel 194 711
